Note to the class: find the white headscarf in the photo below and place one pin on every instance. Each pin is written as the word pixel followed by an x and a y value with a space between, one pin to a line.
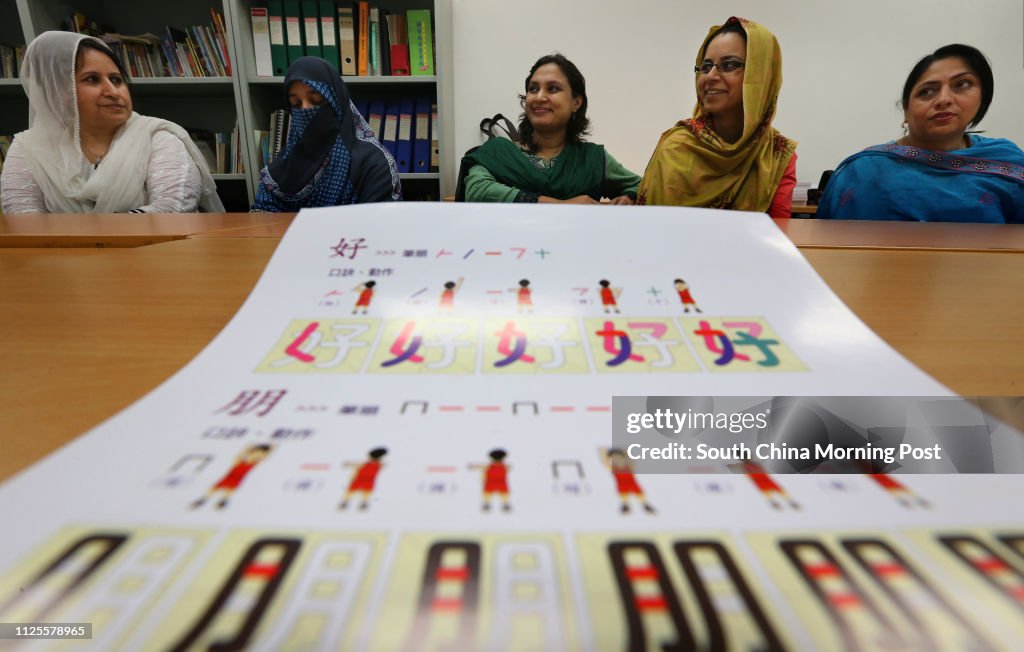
pixel 53 150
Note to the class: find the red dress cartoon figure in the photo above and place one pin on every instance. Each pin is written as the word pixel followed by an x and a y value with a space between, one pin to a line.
pixel 899 491
pixel 684 295
pixel 771 490
pixel 609 296
pixel 364 478
pixel 365 291
pixel 227 485
pixel 524 296
pixel 447 303
pixel 625 481
pixel 495 479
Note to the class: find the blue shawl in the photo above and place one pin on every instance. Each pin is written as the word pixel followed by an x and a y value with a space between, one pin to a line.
pixel 981 183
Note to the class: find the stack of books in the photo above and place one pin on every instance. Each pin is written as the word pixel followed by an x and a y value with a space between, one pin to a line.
pixel 271 142
pixel 10 60
pixel 198 51
pixel 221 149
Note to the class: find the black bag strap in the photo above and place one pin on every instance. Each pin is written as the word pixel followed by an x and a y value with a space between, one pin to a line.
pixel 487 126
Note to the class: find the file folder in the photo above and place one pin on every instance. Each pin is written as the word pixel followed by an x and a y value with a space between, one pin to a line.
pixel 404 157
pixel 435 140
pixel 293 30
pixel 278 46
pixel 421 137
pixel 261 41
pixel 347 42
pixel 329 34
pixel 363 107
pixel 376 118
pixel 391 127
pixel 311 28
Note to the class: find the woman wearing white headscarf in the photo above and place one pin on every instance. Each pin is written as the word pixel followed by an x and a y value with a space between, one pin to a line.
pixel 86 151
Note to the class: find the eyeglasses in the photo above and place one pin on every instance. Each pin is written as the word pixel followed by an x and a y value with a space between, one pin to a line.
pixel 725 67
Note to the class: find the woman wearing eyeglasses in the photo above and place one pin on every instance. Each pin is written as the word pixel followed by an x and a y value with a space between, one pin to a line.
pixel 728 155
pixel 938 171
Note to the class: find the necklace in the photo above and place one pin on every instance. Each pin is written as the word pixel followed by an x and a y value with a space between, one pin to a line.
pixel 99 158
pixel 545 156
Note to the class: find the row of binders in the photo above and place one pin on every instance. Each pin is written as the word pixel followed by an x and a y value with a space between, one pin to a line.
pixel 10 60
pixel 407 128
pixel 199 51
pixel 359 40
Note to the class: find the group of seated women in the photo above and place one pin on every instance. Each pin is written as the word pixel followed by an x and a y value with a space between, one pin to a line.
pixel 87 151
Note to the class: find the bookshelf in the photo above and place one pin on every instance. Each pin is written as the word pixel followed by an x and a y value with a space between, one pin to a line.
pixel 262 95
pixel 217 103
pixel 13 103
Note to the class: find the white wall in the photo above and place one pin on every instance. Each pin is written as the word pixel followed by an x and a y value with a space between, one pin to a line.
pixel 844 64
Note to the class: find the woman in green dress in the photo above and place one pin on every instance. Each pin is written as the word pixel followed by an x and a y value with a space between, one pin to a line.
pixel 551 162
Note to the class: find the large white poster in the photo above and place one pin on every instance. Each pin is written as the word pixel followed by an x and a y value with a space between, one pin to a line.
pixel 402 441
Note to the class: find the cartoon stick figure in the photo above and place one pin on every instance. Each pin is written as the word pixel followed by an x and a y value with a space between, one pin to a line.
pixel 625 481
pixel 448 294
pixel 364 478
pixel 899 491
pixel 609 296
pixel 495 479
pixel 524 298
pixel 227 485
pixel 771 490
pixel 365 296
pixel 684 295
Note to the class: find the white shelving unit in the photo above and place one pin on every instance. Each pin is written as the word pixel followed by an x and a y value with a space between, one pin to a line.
pixel 216 104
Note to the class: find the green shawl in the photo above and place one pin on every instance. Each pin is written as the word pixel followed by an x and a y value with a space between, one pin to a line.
pixel 578 169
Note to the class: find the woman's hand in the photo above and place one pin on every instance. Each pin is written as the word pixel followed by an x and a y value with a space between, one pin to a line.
pixel 622 200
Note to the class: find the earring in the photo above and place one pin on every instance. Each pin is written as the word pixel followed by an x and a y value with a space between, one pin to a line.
pixel 904 127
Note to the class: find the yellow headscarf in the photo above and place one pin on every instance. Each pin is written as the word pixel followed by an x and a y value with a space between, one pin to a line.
pixel 692 166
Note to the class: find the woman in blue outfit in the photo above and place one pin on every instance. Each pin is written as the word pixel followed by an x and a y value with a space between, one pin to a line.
pixel 331 157
pixel 938 171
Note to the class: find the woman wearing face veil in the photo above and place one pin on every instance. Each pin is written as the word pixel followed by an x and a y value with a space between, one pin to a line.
pixel 86 151
pixel 728 155
pixel 331 157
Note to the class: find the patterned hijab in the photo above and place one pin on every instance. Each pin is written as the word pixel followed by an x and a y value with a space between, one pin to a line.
pixel 327 150
pixel 693 166
pixel 313 169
